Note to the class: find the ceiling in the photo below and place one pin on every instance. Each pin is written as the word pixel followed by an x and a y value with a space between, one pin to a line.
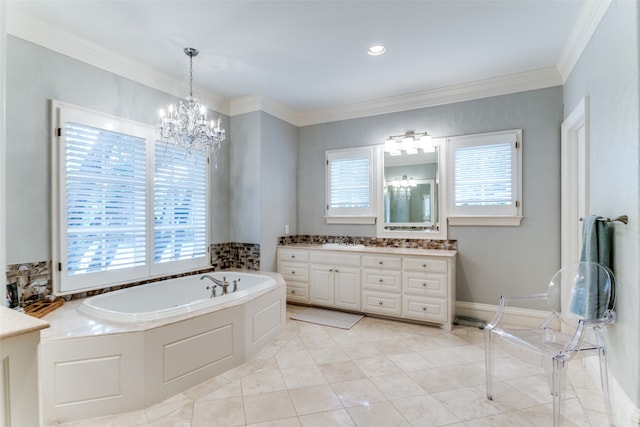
pixel 311 55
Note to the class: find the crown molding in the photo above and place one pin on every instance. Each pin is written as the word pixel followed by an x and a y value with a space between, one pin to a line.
pixel 34 30
pixel 252 103
pixel 513 83
pixel 588 20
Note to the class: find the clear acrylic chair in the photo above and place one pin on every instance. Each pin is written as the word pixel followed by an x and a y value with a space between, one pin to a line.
pixel 590 311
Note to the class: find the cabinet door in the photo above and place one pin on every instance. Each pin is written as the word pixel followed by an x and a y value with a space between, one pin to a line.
pixel 347 288
pixel 321 285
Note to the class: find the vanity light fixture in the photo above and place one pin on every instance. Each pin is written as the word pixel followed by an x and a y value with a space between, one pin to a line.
pixel 376 49
pixel 409 142
pixel 186 125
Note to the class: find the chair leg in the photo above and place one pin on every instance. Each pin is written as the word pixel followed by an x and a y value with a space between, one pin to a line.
pixel 604 374
pixel 489 362
pixel 558 377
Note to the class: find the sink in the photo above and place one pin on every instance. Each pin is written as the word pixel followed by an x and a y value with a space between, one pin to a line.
pixel 342 246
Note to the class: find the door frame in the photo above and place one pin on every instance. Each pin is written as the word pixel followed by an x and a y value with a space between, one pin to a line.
pixel 574 178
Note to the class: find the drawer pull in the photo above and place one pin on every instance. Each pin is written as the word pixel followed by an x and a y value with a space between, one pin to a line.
pixel 379 302
pixel 380 280
pixel 293 291
pixel 424 308
pixel 424 284
pixel 293 272
pixel 293 256
pixel 331 270
pixel 424 265
pixel 337 271
pixel 380 262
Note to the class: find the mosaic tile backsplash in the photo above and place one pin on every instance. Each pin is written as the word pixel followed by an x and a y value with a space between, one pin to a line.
pixel 31 282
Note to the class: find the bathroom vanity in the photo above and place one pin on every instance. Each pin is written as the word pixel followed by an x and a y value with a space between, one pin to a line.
pixel 413 284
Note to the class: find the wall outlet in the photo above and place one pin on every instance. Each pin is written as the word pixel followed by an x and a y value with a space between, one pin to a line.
pixel 286 229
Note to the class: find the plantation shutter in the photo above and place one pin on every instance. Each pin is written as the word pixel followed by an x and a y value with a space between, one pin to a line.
pixel 105 206
pixel 349 185
pixel 180 204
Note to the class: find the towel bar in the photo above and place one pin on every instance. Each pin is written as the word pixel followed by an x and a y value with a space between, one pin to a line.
pixel 622 218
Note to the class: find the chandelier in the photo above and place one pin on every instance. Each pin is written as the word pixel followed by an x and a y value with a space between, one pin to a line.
pixel 186 125
pixel 402 186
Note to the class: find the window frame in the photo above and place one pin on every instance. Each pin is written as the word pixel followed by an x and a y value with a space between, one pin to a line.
pixel 64 284
pixel 510 215
pixel 351 215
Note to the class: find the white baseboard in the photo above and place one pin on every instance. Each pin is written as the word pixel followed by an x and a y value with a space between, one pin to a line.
pixel 513 315
pixel 625 412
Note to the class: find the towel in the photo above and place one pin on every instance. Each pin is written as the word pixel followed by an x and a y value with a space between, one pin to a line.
pixel 590 295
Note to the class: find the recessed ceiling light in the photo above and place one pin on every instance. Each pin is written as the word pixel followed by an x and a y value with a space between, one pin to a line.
pixel 376 49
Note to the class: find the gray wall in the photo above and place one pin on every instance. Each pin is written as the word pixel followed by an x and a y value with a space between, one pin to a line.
pixel 35 75
pixel 608 73
pixel 491 260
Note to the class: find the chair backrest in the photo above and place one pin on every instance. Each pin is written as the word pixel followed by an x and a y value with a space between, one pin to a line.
pixel 592 291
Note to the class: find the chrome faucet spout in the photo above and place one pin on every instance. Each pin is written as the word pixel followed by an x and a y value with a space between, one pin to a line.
pixel 213 279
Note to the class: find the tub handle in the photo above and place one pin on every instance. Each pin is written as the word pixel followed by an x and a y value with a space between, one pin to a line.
pixel 213 290
pixel 235 285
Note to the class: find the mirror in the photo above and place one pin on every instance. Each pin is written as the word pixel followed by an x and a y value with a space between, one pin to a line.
pixel 410 204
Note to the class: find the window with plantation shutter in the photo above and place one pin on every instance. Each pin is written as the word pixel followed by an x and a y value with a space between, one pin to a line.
pixel 180 204
pixel 485 178
pixel 349 189
pixel 125 207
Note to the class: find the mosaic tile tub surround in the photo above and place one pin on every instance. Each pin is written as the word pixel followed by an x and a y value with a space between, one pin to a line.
pixel 31 282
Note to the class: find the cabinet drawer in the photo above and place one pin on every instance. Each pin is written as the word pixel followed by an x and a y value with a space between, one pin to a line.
pixel 426 309
pixel 298 294
pixel 294 272
pixel 381 303
pixel 334 258
pixel 295 255
pixel 386 262
pixel 425 284
pixel 425 264
pixel 381 280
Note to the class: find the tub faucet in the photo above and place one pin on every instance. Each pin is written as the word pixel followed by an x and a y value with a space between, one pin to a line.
pixel 216 283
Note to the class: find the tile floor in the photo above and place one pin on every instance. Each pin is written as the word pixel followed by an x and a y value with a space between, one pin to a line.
pixel 379 373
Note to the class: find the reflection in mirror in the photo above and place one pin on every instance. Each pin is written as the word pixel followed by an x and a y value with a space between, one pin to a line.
pixel 411 191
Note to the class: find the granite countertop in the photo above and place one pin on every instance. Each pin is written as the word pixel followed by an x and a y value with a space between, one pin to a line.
pixel 371 249
pixel 13 323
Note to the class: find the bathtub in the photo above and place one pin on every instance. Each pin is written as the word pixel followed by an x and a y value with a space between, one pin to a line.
pixel 171 298
pixel 130 349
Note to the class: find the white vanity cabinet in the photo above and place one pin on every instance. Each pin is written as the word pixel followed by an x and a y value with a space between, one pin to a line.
pixel 427 289
pixel 382 284
pixel 334 280
pixel 293 265
pixel 414 284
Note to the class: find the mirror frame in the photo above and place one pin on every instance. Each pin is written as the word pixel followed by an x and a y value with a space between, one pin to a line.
pixel 441 233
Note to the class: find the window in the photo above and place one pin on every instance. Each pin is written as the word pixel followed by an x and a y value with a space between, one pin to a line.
pixel 349 186
pixel 108 229
pixel 485 178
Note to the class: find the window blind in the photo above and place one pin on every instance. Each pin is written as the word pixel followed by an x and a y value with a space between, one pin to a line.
pixel 105 199
pixel 350 183
pixel 180 204
pixel 483 175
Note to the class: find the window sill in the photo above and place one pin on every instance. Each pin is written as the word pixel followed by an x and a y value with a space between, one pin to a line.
pixel 350 219
pixel 509 221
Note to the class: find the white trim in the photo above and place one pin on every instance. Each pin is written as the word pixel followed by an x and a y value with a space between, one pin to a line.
pixel 588 20
pixel 510 221
pixel 513 83
pixel 3 156
pixel 44 34
pixel 513 315
pixel 350 219
pixel 252 103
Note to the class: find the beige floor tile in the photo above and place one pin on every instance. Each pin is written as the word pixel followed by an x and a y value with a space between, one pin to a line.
pixel 336 418
pixel 397 386
pixel 168 406
pixel 361 351
pixel 341 371
pixel 207 387
pixel 362 392
pixel 178 418
pixel 443 356
pixel 286 422
pixel 501 420
pixel 310 400
pixel 379 414
pixel 434 380
pixel 294 359
pixel 318 341
pixel 92 422
pixel 470 352
pixel 409 362
pixel 467 403
pixel 391 346
pixel 302 377
pixel 128 419
pixel 233 389
pixel 424 410
pixel 328 355
pixel 221 412
pixel 271 406
pixel 262 382
pixel 378 366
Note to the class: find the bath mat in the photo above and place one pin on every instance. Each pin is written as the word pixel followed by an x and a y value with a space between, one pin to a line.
pixel 335 319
